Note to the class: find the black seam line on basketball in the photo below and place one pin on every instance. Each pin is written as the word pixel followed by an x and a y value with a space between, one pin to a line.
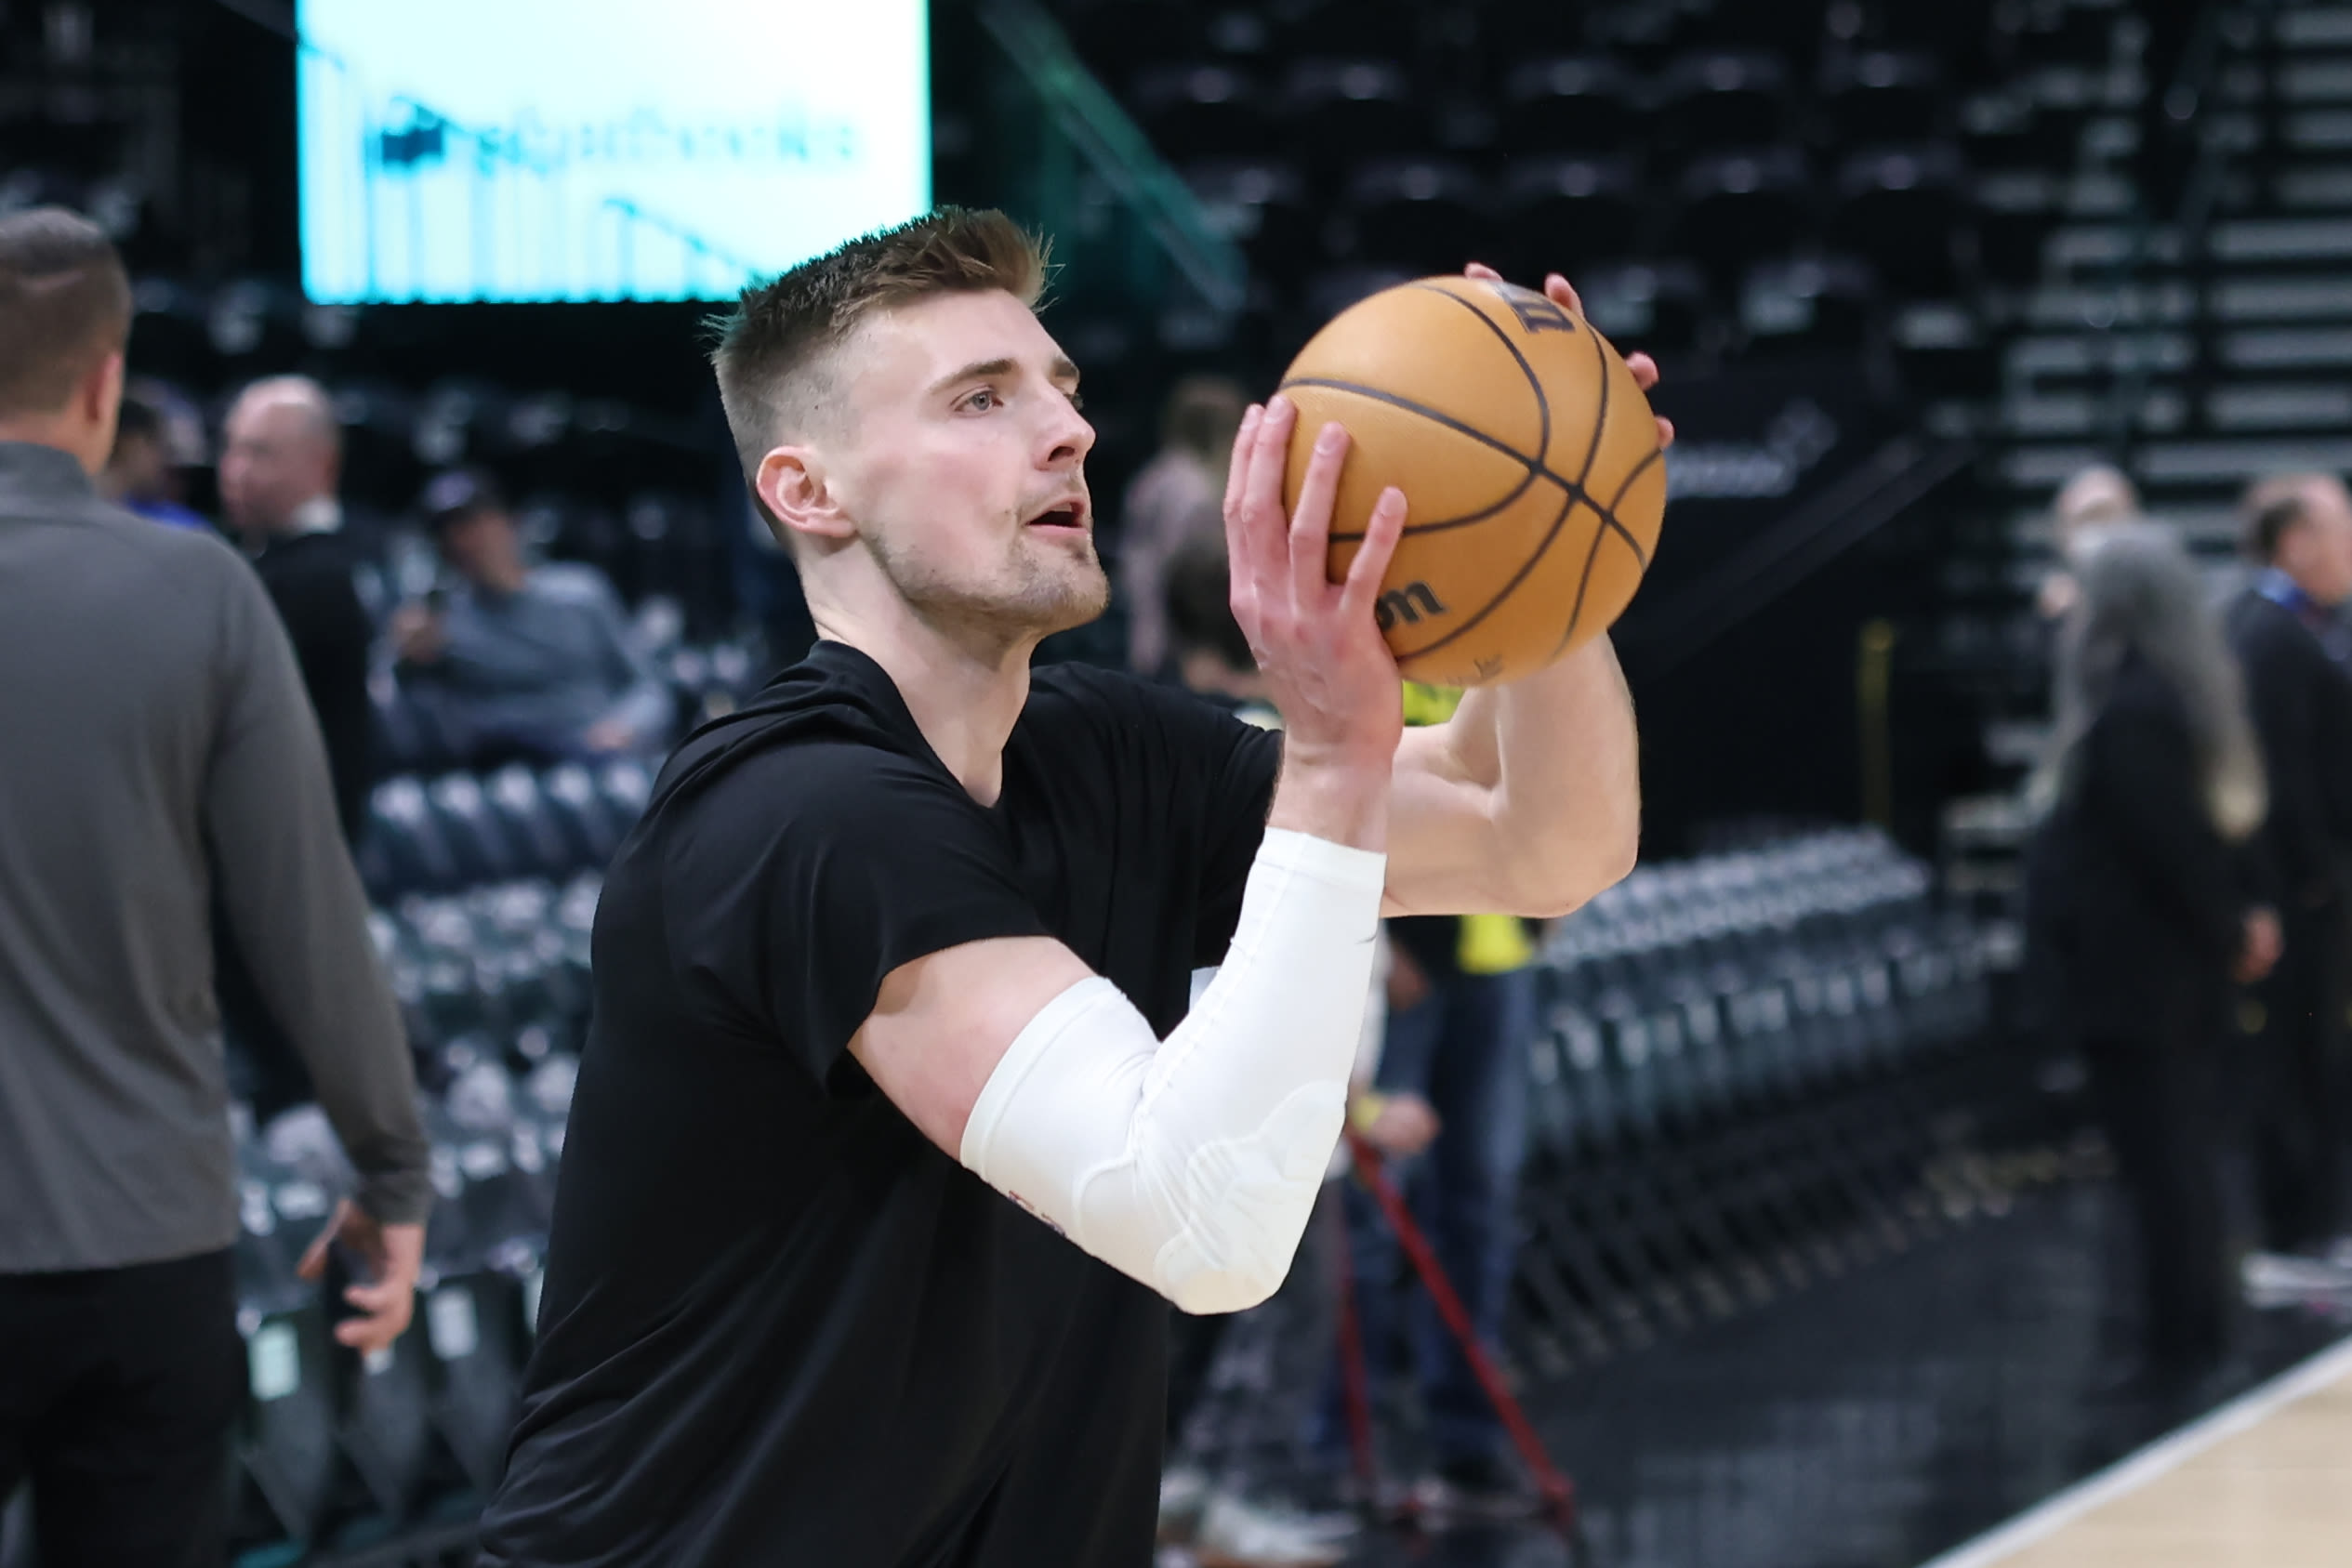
pixel 1559 521
pixel 1535 466
pixel 1543 415
pixel 1608 513
pixel 1584 581
pixel 1535 383
pixel 1601 416
pixel 1600 427
pixel 1526 482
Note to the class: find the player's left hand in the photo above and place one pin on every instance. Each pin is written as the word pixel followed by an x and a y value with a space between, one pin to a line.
pixel 1556 289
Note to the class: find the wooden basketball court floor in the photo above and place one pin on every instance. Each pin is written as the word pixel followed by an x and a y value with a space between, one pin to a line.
pixel 2265 1482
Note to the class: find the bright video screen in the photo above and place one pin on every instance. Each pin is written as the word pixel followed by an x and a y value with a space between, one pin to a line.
pixel 593 150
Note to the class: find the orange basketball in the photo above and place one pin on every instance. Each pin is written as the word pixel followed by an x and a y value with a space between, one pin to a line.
pixel 1528 458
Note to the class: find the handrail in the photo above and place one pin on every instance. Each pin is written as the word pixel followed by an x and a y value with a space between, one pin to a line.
pixel 1117 150
pixel 1859 504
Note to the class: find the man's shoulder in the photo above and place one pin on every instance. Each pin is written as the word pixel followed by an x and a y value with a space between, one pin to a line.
pixel 1118 694
pixel 120 533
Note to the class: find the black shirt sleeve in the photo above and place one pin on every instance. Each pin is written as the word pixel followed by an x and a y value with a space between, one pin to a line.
pixel 801 879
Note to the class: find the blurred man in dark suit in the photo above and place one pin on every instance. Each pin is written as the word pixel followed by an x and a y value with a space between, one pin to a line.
pixel 2291 642
pixel 281 456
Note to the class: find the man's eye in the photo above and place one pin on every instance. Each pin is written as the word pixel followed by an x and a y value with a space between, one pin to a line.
pixel 1078 398
pixel 982 399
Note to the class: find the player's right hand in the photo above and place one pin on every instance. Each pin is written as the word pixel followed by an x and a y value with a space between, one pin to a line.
pixel 1328 668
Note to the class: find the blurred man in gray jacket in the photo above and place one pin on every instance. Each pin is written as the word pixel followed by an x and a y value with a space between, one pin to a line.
pixel 155 745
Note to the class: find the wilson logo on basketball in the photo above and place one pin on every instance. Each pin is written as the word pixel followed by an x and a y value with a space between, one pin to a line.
pixel 1407 604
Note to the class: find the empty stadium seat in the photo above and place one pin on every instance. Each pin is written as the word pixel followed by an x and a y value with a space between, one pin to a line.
pixel 1739 205
pixel 1575 103
pixel 1902 208
pixel 1645 305
pixel 1421 215
pixel 1200 110
pixel 1816 302
pixel 1724 98
pixel 1880 96
pixel 1348 108
pixel 1569 213
pixel 1263 204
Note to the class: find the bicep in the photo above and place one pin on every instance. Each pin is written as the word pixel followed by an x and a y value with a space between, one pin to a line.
pixel 942 1023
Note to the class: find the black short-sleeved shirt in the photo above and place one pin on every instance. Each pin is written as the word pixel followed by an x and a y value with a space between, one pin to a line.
pixel 779 1325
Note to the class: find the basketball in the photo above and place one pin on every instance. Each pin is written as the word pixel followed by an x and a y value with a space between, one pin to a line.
pixel 1528 458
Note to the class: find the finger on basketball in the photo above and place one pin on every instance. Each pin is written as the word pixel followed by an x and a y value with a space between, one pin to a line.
pixel 1665 432
pixel 1557 290
pixel 1483 272
pixel 1645 369
pixel 1311 521
pixel 1263 514
pixel 1382 532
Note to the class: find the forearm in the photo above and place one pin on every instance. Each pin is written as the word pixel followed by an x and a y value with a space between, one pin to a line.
pixel 1191 1165
pixel 1553 764
pixel 294 906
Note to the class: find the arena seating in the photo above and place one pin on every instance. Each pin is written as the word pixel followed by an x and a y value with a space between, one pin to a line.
pixel 1729 1095
pixel 1731 1087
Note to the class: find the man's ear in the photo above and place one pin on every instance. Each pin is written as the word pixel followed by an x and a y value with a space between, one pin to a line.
pixel 791 483
pixel 99 399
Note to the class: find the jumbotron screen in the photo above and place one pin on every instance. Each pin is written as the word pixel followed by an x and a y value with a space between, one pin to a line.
pixel 594 150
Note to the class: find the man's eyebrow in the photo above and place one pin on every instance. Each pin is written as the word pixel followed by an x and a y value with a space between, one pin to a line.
pixel 979 370
pixel 1061 369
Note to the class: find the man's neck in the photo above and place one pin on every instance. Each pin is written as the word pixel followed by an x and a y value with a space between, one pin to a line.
pixel 965 692
pixel 52 430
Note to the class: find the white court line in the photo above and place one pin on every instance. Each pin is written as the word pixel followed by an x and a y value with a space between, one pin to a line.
pixel 2134 1471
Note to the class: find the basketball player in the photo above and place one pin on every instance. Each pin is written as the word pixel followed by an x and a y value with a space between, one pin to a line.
pixel 893 1131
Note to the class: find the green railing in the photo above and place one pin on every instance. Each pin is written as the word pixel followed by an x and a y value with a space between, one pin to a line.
pixel 1062 155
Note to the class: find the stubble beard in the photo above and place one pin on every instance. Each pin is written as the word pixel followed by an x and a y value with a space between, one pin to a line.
pixel 1043 589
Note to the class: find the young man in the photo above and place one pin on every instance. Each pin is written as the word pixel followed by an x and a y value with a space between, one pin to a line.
pixel 162 770
pixel 897 943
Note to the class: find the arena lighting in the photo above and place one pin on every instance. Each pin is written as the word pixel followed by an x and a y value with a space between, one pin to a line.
pixel 599 150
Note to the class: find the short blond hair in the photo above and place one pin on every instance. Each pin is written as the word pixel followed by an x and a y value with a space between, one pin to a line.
pixel 769 350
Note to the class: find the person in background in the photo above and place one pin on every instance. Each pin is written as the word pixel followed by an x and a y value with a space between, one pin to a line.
pixel 281 456
pixel 1177 497
pixel 141 474
pixel 524 661
pixel 2139 915
pixel 2091 502
pixel 2291 638
pixel 1461 1011
pixel 162 764
pixel 1239 1467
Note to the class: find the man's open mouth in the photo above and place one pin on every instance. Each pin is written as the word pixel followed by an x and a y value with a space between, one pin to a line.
pixel 1066 514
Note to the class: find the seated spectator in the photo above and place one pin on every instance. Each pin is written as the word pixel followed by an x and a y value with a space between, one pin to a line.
pixel 537 662
pixel 143 472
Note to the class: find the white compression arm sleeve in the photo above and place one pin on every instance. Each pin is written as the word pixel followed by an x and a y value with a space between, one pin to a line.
pixel 1192 1164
